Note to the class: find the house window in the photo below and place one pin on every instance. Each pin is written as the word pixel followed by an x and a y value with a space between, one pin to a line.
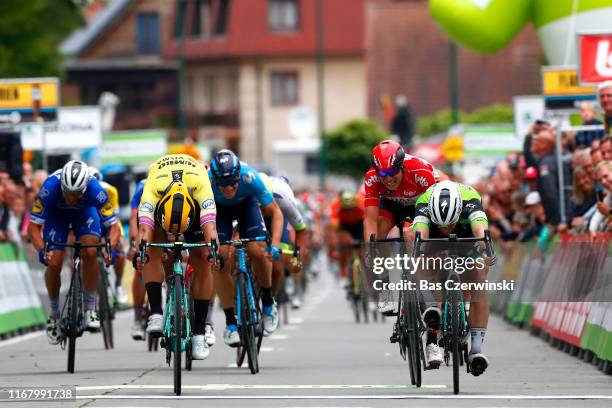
pixel 147 33
pixel 284 88
pixel 284 15
pixel 207 18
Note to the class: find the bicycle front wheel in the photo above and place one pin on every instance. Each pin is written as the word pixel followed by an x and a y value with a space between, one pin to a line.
pixel 414 336
pixel 74 317
pixel 248 328
pixel 178 333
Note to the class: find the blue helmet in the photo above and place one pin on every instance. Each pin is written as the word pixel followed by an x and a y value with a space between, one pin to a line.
pixel 225 167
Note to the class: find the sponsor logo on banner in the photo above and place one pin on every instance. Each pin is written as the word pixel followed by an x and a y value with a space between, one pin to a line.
pixel 595 58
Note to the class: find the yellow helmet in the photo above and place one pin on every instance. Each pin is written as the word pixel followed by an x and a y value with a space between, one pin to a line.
pixel 176 209
pixel 348 201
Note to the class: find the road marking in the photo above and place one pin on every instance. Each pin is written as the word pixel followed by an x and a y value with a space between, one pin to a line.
pixel 20 339
pixel 351 397
pixel 296 320
pixel 278 337
pixel 255 386
pixel 290 328
pixel 266 349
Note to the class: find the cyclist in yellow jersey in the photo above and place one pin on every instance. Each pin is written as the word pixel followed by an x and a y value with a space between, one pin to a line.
pixel 177 194
pixel 118 253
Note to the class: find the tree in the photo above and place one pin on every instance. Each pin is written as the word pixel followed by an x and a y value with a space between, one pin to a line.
pixel 30 34
pixel 349 147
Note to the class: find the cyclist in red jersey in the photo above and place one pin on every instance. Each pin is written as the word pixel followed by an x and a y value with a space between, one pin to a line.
pixel 392 186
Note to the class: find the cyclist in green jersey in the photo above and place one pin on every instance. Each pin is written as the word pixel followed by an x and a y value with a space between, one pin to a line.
pixel 453 208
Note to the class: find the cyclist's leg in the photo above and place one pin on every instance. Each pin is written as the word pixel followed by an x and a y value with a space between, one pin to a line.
pixel 223 282
pixel 56 232
pixel 118 255
pixel 251 225
pixel 201 290
pixel 153 274
pixel 277 267
pixel 478 321
pixel 87 229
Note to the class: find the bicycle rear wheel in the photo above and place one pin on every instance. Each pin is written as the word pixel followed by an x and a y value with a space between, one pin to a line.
pixel 178 333
pixel 73 316
pixel 455 340
pixel 106 318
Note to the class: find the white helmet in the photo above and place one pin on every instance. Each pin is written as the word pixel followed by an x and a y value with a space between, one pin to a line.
pixel 95 173
pixel 75 176
pixel 445 203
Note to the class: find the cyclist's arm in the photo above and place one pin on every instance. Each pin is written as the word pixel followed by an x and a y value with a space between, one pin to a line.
pixel 421 215
pixel 370 223
pixel 133 232
pixel 35 234
pixel 274 211
pixel 114 233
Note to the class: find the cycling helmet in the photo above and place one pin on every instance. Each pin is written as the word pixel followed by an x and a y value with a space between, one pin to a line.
pixel 348 201
pixel 225 167
pixel 176 209
pixel 388 155
pixel 445 204
pixel 285 179
pixel 74 177
pixel 95 173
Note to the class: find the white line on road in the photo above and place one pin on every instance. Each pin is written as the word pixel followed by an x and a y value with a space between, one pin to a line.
pixel 266 349
pixel 353 397
pixel 19 339
pixel 296 320
pixel 278 337
pixel 255 386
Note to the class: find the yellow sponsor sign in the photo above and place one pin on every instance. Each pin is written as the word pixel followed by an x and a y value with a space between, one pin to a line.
pixel 452 149
pixel 563 81
pixel 15 94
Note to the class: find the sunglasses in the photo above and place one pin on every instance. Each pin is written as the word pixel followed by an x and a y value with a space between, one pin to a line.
pixel 227 183
pixel 389 172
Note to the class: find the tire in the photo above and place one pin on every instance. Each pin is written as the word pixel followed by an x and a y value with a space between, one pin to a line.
pixel 188 350
pixel 415 340
pixel 178 333
pixel 240 353
pixel 455 339
pixel 104 307
pixel 248 328
pixel 74 317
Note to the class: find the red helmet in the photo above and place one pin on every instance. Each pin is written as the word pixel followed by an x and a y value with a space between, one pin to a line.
pixel 530 173
pixel 387 155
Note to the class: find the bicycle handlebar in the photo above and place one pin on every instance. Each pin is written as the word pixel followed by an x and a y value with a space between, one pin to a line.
pixel 453 238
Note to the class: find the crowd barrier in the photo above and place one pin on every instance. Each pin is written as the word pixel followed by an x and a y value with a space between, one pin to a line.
pixel 20 304
pixel 562 293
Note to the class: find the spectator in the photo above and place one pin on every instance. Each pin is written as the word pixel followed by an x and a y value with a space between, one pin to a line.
pixel 588 114
pixel 582 159
pixel 539 151
pixel 596 157
pixel 402 124
pixel 606 148
pixel 583 197
pixel 599 221
pixel 4 214
pixel 535 212
pixel 530 179
pixel 605 100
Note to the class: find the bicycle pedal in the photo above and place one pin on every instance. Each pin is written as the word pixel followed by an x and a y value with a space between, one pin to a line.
pixel 393 339
pixel 433 366
pixel 390 313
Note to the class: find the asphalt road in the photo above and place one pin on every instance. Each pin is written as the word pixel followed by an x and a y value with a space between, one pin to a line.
pixel 322 358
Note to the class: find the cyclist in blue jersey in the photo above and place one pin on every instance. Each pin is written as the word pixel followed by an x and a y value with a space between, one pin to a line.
pixel 70 199
pixel 138 289
pixel 239 192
